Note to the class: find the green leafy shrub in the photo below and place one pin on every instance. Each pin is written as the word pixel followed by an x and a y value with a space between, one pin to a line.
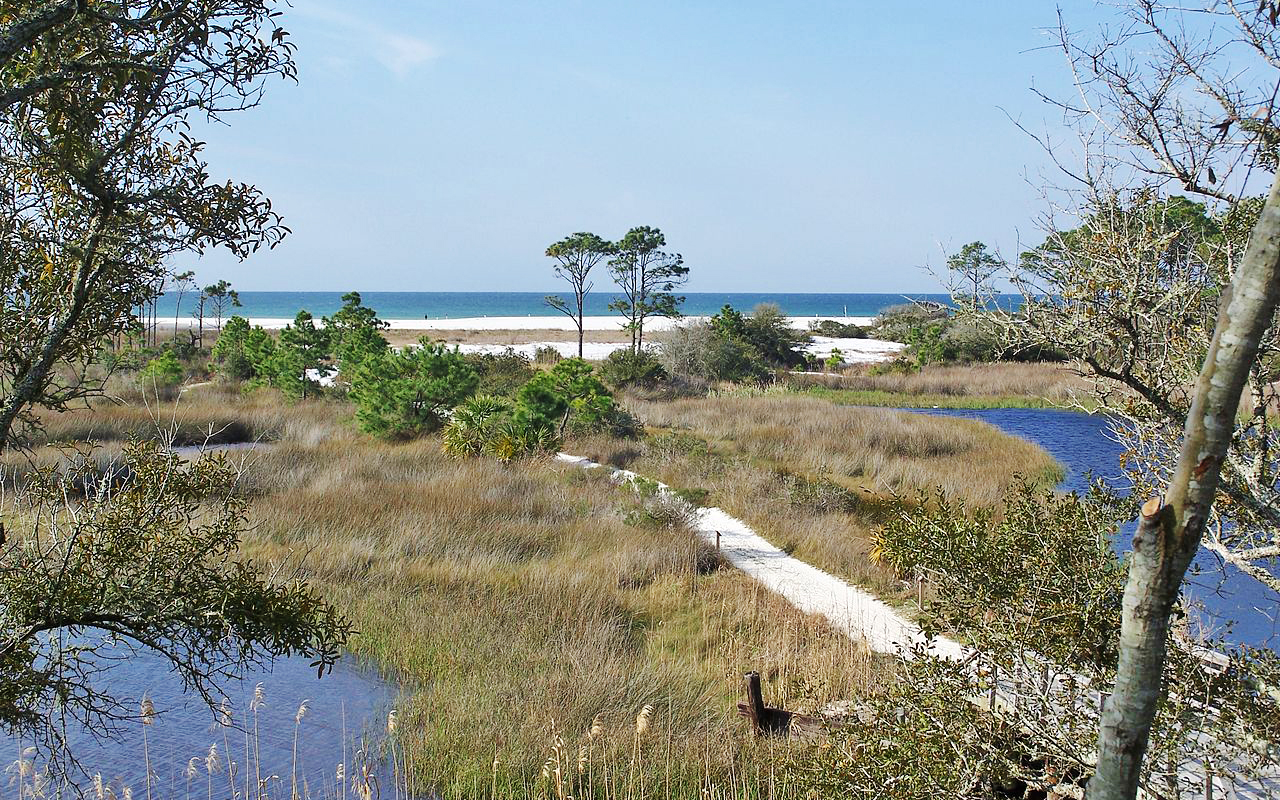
pixel 484 425
pixel 403 394
pixel 836 329
pixel 501 374
pixel 625 368
pixel 569 389
pixel 163 371
pixel 734 347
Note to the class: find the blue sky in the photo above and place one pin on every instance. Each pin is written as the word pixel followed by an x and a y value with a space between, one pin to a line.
pixel 441 146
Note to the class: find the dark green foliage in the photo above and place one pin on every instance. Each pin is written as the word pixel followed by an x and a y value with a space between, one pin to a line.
pixel 627 368
pixel 241 351
pixel 355 333
pixel 303 348
pixel 501 374
pixel 569 389
pixel 404 394
pixel 768 331
pixel 836 329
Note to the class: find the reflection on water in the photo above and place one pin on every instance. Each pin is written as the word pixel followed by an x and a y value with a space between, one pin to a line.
pixel 1222 598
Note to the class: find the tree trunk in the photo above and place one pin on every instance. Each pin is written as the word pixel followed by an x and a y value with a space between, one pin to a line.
pixel 1170 532
pixel 581 300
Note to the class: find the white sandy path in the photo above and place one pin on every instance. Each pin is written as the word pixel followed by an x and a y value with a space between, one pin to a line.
pixel 856 613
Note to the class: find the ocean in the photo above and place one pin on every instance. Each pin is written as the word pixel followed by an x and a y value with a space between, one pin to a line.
pixel 452 305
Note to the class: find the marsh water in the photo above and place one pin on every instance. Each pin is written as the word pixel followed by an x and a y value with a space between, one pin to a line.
pixel 1221 598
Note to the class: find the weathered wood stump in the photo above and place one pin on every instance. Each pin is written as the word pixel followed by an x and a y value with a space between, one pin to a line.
pixel 767 721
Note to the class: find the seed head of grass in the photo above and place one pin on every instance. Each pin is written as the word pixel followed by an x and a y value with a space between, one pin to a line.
pixel 597 727
pixel 642 720
pixel 392 719
pixel 303 708
pixel 147 710
pixel 223 715
pixel 212 762
pixel 259 698
pixel 193 768
pixel 99 789
pixel 340 774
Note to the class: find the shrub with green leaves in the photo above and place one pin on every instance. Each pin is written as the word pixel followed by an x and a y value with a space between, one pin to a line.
pixel 403 394
pixel 568 390
pixel 501 374
pixel 625 368
pixel 163 371
pixel 484 425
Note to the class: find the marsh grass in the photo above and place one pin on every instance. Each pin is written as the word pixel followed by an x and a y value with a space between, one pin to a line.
pixel 532 612
pixel 525 606
pixel 814 478
pixel 207 414
pixel 996 385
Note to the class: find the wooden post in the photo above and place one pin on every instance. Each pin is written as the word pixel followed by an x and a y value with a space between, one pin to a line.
pixel 717 541
pixel 755 702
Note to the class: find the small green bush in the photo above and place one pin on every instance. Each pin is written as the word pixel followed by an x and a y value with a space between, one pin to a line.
pixel 404 394
pixel 569 389
pixel 836 329
pixel 625 368
pixel 164 370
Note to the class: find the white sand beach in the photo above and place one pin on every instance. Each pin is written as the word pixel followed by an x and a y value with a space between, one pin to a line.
pixel 544 323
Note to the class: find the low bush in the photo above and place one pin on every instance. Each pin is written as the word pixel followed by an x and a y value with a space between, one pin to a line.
pixel 836 329
pixel 500 374
pixel 624 368
pixel 402 394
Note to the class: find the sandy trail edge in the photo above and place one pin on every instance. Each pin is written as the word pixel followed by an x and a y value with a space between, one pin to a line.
pixel 854 612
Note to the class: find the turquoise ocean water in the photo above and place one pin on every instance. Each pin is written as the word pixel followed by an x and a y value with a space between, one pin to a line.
pixel 437 305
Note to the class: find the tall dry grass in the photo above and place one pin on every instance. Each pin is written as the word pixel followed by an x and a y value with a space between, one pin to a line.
pixel 875 449
pixel 207 414
pixel 522 610
pixel 1028 384
pixel 812 477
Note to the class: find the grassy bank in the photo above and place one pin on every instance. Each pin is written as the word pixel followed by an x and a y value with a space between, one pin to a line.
pixel 815 478
pixel 998 385
pixel 524 606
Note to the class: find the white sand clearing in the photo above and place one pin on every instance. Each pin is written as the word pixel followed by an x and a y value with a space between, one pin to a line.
pixel 556 323
pixel 852 351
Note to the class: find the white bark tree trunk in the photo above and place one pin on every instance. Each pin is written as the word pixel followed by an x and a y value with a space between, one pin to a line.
pixel 1170 530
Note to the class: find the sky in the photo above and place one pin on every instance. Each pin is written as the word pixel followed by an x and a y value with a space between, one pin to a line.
pixel 780 146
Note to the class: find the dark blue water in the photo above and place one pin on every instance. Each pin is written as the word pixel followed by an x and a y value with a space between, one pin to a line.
pixel 451 305
pixel 345 707
pixel 1221 598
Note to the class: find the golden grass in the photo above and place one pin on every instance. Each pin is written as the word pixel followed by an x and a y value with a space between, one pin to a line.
pixel 813 477
pixel 208 414
pixel 879 450
pixel 976 385
pixel 517 605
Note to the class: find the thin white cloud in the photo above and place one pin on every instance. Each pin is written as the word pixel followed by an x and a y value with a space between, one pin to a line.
pixel 399 52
